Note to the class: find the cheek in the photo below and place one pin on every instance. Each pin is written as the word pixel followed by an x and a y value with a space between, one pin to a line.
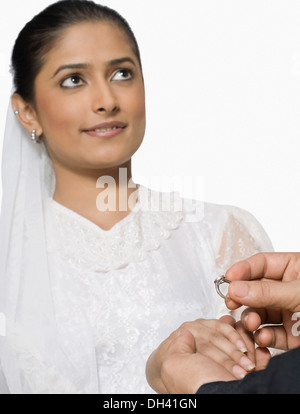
pixel 138 109
pixel 56 116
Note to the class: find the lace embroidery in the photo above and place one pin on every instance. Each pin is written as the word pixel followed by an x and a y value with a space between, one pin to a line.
pixel 242 237
pixel 127 242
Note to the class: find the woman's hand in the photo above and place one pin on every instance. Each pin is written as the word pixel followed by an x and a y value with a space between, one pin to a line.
pixel 216 342
pixel 184 369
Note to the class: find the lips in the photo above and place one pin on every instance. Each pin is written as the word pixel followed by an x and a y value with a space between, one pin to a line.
pixel 106 129
pixel 107 126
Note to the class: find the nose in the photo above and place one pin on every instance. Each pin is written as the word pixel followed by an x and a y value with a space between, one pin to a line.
pixel 104 99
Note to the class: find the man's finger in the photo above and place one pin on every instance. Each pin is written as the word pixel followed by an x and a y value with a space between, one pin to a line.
pixel 272 336
pixel 253 318
pixel 266 294
pixel 275 266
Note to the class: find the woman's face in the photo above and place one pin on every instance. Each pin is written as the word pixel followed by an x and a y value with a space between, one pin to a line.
pixel 90 98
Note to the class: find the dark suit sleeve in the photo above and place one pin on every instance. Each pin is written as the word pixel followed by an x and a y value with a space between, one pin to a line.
pixel 282 376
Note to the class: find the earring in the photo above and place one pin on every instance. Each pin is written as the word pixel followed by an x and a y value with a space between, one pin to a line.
pixel 16 112
pixel 34 137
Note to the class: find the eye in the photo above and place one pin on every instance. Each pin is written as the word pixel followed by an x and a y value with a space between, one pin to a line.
pixel 72 81
pixel 123 75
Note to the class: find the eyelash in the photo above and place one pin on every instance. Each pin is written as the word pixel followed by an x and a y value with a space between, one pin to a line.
pixel 73 76
pixel 128 71
pixel 79 76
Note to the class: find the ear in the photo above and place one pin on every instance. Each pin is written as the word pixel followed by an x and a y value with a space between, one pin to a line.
pixel 27 114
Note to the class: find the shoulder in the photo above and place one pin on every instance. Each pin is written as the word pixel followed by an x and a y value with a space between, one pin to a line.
pixel 225 218
pixel 233 232
pixel 219 219
pixel 235 221
pixel 236 234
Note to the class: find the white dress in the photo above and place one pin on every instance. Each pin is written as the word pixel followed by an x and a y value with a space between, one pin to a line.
pixel 131 286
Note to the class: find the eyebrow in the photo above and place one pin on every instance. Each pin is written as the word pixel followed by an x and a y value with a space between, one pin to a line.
pixel 113 62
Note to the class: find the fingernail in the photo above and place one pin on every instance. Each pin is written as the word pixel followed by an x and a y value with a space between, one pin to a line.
pixel 242 347
pixel 247 364
pixel 239 372
pixel 245 317
pixel 239 289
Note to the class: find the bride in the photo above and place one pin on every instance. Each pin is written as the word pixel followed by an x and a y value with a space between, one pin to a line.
pixel 88 292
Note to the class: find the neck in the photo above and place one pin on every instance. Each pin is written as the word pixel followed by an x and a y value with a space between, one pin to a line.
pixel 102 196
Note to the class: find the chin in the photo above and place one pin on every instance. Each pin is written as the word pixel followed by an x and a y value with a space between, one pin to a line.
pixel 110 164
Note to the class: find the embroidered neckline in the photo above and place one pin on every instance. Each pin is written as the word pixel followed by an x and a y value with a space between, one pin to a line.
pixel 84 244
pixel 88 223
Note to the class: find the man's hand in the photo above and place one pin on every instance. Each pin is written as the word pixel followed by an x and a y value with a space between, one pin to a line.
pixel 270 284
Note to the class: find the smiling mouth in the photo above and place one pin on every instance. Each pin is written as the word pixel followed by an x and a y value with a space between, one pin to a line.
pixel 106 130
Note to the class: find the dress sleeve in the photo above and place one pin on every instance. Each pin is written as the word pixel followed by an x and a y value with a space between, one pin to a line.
pixel 236 235
pixel 239 236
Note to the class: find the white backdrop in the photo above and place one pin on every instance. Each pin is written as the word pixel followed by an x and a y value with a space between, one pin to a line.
pixel 223 100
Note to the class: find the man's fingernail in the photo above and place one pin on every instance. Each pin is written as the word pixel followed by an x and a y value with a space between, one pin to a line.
pixel 239 289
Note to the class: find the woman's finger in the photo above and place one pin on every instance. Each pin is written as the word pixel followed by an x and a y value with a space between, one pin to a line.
pixel 222 358
pixel 224 338
pixel 250 344
pixel 227 330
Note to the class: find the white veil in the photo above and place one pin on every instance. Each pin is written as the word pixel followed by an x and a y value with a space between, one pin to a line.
pixel 32 341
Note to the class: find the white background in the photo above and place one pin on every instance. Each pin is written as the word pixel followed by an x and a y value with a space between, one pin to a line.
pixel 223 100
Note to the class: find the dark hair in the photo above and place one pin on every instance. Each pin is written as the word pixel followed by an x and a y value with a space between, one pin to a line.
pixel 40 35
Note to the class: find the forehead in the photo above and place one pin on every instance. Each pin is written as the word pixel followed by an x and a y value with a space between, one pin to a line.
pixel 90 42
